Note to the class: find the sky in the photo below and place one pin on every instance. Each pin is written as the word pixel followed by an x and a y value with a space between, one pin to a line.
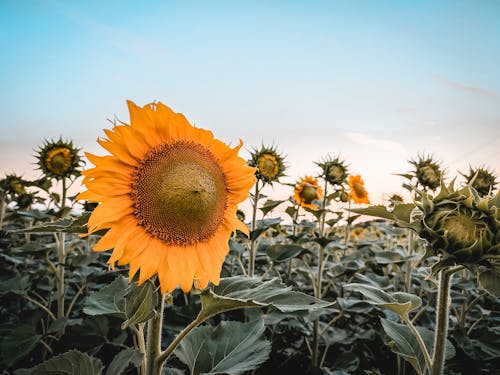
pixel 376 82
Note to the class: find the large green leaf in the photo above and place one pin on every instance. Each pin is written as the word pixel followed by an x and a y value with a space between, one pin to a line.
pixel 405 344
pixel 269 206
pixel 140 304
pixel 401 213
pixel 123 359
pixel 72 362
pixel 230 348
pixel 281 253
pixel 110 300
pixel 19 343
pixel 244 292
pixel 400 303
pixel 17 284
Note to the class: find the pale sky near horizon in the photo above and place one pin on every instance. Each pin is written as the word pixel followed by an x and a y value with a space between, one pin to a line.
pixel 374 81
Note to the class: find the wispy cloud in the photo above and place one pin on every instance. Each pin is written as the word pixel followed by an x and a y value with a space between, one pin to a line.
pixel 470 89
pixel 377 143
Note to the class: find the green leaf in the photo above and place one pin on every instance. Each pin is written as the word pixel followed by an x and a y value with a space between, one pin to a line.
pixel 281 253
pixel 123 359
pixel 19 343
pixel 400 303
pixel 108 301
pixel 17 284
pixel 262 226
pixel 490 281
pixel 269 206
pixel 140 304
pixel 66 225
pixel 240 292
pixel 72 362
pixel 401 213
pixel 405 343
pixel 230 348
pixel 351 219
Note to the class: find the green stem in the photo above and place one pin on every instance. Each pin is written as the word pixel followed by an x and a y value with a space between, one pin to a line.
pixel 253 247
pixel 347 227
pixel 61 258
pixel 420 341
pixel 2 208
pixel 442 312
pixel 319 278
pixel 153 342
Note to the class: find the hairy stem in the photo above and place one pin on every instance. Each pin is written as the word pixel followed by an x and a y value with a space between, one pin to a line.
pixel 442 312
pixel 153 342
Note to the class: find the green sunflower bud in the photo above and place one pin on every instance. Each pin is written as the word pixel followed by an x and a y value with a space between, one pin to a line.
pixel 460 224
pixel 427 172
pixel 334 170
pixel 481 179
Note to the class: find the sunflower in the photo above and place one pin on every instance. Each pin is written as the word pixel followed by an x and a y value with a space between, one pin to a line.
pixel 306 191
pixel 427 171
pixel 357 189
pixel 334 170
pixel 269 163
pixel 482 179
pixel 168 194
pixel 59 159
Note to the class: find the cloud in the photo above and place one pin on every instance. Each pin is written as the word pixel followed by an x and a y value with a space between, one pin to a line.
pixel 470 89
pixel 379 144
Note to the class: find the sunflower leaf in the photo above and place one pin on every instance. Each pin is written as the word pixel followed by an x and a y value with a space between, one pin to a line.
pixel 400 303
pixel 240 292
pixel 110 300
pixel 123 359
pixel 19 343
pixel 140 304
pixel 66 225
pixel 230 348
pixel 72 362
pixel 281 253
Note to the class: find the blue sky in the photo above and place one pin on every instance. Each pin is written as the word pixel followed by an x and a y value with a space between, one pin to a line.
pixel 376 81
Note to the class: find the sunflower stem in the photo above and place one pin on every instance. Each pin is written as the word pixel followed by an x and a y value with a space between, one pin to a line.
pixel 347 226
pixel 2 208
pixel 153 342
pixel 251 262
pixel 61 257
pixel 319 277
pixel 442 312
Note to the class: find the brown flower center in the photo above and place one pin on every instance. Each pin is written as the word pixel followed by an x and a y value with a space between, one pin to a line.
pixel 309 192
pixel 268 166
pixel 179 192
pixel 336 173
pixel 359 190
pixel 58 161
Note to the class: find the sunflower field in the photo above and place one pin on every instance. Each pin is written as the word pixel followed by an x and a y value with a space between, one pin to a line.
pixel 152 267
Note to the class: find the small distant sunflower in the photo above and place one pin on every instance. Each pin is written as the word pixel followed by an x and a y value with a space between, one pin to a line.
pixel 269 163
pixel 13 184
pixel 25 200
pixel 357 190
pixel 306 191
pixel 168 194
pixel 59 159
pixel 334 170
pixel 427 171
pixel 483 180
pixel 395 199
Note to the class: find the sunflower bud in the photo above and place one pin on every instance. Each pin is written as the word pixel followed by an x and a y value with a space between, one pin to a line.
pixel 481 179
pixel 460 224
pixel 25 200
pixel 427 172
pixel 59 159
pixel 334 170
pixel 13 184
pixel 269 163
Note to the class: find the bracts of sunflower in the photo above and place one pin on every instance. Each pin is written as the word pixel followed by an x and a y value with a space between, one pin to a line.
pixel 269 166
pixel 481 179
pixel 426 174
pixel 58 160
